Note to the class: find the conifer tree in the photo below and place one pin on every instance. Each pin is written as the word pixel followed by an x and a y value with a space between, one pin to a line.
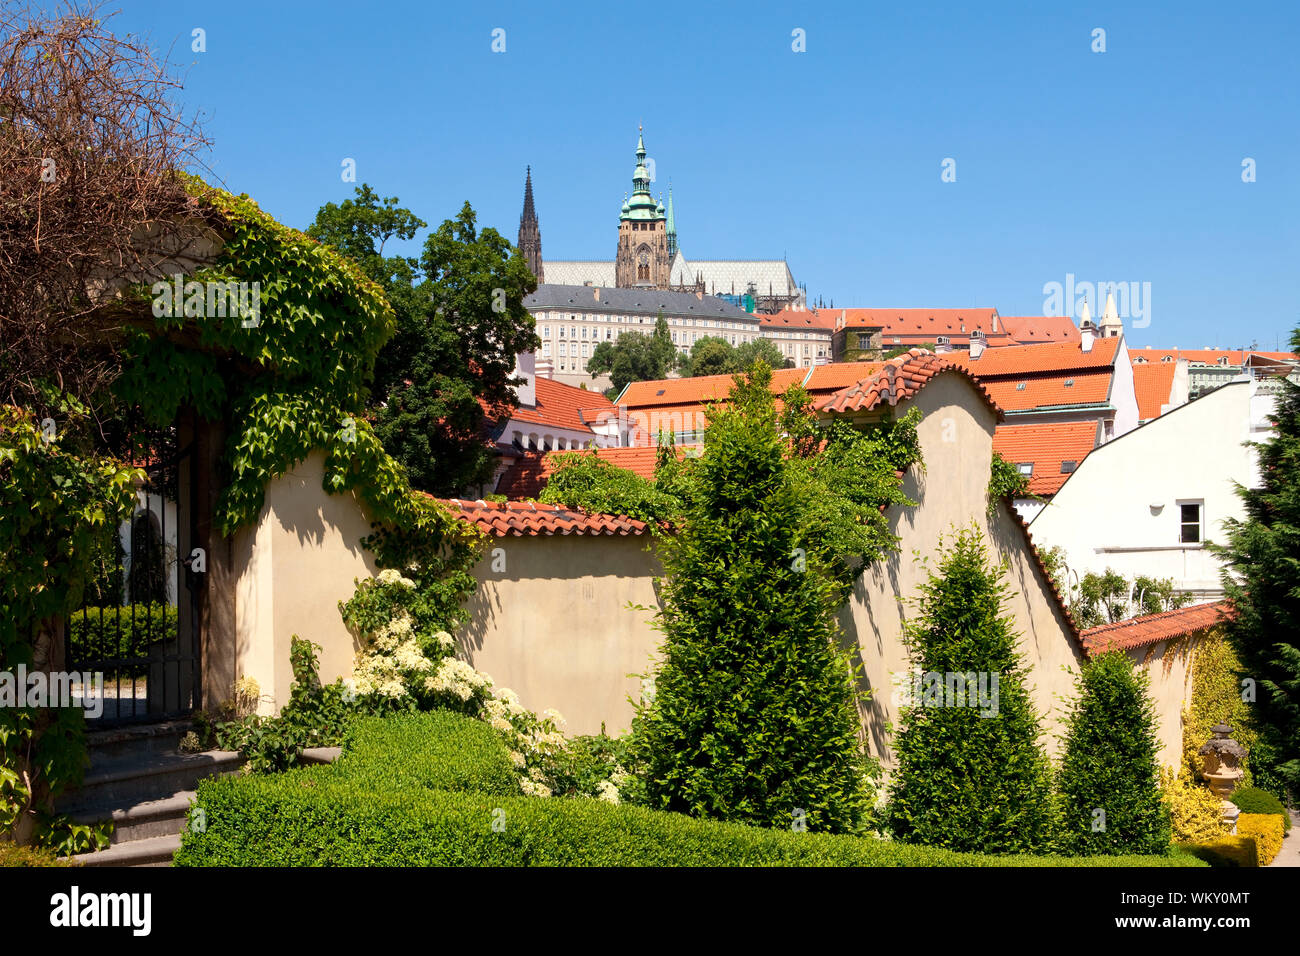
pixel 753 717
pixel 1110 771
pixel 971 774
pixel 1262 579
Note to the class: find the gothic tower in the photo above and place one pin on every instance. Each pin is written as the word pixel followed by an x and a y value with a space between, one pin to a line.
pixel 530 233
pixel 672 226
pixel 642 258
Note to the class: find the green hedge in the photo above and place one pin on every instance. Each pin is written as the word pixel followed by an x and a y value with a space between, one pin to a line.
pixel 1225 851
pixel 439 750
pixel 403 794
pixel 1254 800
pixel 97 634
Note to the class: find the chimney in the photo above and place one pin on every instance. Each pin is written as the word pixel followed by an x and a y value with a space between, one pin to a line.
pixel 1087 331
pixel 942 344
pixel 595 293
pixel 995 323
pixel 526 368
pixel 976 344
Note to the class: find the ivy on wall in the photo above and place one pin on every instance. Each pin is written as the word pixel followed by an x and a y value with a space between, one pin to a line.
pixel 1216 698
pixel 289 379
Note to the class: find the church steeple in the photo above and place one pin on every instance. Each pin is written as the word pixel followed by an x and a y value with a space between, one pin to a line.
pixel 672 225
pixel 642 259
pixel 530 233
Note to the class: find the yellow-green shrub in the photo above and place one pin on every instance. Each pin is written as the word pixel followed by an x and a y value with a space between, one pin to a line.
pixel 1216 698
pixel 1225 851
pixel 1196 815
pixel 1266 828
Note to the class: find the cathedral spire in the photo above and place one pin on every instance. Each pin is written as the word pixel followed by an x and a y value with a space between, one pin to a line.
pixel 672 225
pixel 530 232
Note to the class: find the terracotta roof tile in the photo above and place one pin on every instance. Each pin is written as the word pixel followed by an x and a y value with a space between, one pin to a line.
pixel 528 476
pixel 1010 360
pixel 563 406
pixel 898 379
pixel 1153 383
pixel 695 391
pixel 1205 356
pixel 1040 329
pixel 1153 628
pixel 799 319
pixel 1023 392
pixel 519 519
pixel 1046 446
pixel 923 324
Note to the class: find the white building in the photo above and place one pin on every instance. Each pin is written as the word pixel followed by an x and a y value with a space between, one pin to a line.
pixel 1148 500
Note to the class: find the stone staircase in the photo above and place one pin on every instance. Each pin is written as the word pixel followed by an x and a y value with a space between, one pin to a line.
pixel 139 779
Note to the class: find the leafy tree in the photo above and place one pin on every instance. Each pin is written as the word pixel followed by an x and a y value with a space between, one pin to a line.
pixel 635 357
pixel 1005 481
pixel 971 778
pixel 1110 772
pixel 753 716
pixel 460 324
pixel 1262 579
pixel 593 484
pixel 898 350
pixel 759 350
pixel 710 355
pixel 1109 597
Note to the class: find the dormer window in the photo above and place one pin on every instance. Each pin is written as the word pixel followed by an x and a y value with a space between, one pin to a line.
pixel 1021 386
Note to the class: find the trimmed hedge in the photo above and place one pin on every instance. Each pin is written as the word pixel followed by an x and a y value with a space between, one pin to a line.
pixel 13 855
pixel 1254 800
pixel 438 750
pixel 1266 828
pixel 1225 851
pixel 97 634
pixel 378 806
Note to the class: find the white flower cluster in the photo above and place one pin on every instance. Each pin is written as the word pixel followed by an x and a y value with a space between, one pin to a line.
pixel 393 576
pixel 608 792
pixel 457 678
pixel 532 789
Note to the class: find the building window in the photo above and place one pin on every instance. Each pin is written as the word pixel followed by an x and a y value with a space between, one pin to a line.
pixel 864 340
pixel 546 349
pixel 584 349
pixel 573 331
pixel 561 331
pixel 564 350
pixel 1189 518
pixel 1025 467
pixel 546 331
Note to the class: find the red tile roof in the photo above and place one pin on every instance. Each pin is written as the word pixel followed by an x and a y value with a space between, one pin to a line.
pixel 898 379
pixel 696 391
pixel 1046 446
pixel 954 323
pixel 529 519
pixel 798 319
pixel 1089 387
pixel 528 476
pixel 1037 329
pixel 564 406
pixel 1058 357
pixel 833 376
pixel 1153 384
pixel 1153 628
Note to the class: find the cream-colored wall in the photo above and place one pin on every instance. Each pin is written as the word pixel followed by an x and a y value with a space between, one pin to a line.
pixel 1103 516
pixel 292 568
pixel 1168 664
pixel 956 434
pixel 551 622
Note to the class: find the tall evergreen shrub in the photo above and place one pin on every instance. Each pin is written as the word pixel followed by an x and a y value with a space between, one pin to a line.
pixel 1110 771
pixel 967 778
pixel 753 717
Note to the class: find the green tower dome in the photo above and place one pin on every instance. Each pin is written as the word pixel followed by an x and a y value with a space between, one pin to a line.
pixel 642 206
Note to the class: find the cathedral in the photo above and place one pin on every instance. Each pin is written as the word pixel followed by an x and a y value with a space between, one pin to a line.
pixel 648 256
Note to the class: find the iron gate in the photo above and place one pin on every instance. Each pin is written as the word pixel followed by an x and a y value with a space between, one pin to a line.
pixel 137 632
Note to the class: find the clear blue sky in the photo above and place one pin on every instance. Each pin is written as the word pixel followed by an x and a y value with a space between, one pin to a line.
pixel 1122 166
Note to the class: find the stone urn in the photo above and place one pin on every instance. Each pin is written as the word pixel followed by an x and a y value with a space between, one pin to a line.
pixel 1222 758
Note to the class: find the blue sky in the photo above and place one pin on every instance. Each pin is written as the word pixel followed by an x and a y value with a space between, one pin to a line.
pixel 1122 166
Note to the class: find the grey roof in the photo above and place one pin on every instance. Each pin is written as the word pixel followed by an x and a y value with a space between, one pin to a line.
pixel 733 276
pixel 630 301
pixel 579 271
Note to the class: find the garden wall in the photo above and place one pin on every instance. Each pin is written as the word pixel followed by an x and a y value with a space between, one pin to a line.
pixel 550 618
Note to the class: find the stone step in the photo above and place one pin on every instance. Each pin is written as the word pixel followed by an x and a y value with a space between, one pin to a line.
pixel 142 821
pixel 117 742
pixel 124 782
pixel 154 851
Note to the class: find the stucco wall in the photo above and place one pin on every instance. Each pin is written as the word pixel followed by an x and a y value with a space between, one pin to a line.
pixel 1168 664
pixel 1105 515
pixel 553 624
pixel 956 436
pixel 291 570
